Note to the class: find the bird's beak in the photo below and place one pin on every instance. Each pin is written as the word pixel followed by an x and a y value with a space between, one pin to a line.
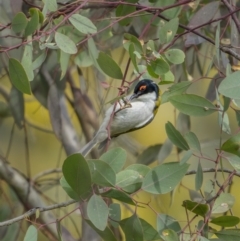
pixel 133 96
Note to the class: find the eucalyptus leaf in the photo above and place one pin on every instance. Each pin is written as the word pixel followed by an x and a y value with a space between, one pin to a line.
pixel 176 137
pixel 192 105
pixel 109 66
pixel 83 24
pixel 65 43
pixel 18 76
pixel 164 178
pixel 230 85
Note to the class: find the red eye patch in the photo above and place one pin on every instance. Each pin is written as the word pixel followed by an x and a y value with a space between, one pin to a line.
pixel 143 87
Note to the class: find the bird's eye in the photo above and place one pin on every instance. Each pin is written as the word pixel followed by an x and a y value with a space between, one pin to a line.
pixel 143 87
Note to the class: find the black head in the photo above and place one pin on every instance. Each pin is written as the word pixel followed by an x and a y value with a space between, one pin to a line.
pixel 145 86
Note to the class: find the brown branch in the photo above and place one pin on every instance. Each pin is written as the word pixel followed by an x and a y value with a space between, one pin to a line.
pixel 30 199
pixel 235 18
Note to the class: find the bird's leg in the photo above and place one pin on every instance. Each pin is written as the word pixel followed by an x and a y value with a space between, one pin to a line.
pixel 124 104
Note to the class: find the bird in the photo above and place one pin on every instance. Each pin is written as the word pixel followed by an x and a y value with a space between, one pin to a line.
pixel 130 114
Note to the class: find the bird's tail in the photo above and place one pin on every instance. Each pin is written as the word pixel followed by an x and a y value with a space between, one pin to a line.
pixel 88 147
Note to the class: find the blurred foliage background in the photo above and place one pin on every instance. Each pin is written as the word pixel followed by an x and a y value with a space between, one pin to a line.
pixel 54 90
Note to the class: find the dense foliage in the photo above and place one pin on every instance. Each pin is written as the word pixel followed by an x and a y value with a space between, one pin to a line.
pixel 178 44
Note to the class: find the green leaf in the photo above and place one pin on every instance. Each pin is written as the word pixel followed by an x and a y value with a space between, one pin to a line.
pixel 123 10
pixel 31 234
pixel 159 66
pixel 39 61
pixel 175 89
pixel 18 76
pixel 176 137
pixel 133 56
pixel 118 195
pixel 141 169
pixel 33 22
pixel 132 228
pixel 168 30
pixel 199 177
pixel 237 112
pixel 149 155
pixel 65 43
pixel 132 39
pixel 167 222
pixel 77 174
pixel 59 230
pixel 232 145
pixel 226 221
pixel 165 151
pixel 164 178
pixel 149 233
pixel 115 158
pixel 235 162
pixel 97 211
pixel 16 102
pixel 83 24
pixel 175 56
pixel 115 214
pixel 83 59
pixel 167 78
pixel 230 85
pixel 93 52
pixel 106 235
pixel 129 180
pixel 64 60
pixel 109 66
pixel 51 5
pixel 217 42
pixel 68 189
pixel 169 235
pixel 102 173
pixel 197 208
pixel 223 203
pixel 27 59
pixel 228 234
pixel 192 105
pixel 186 157
pixel 193 141
pixel 19 22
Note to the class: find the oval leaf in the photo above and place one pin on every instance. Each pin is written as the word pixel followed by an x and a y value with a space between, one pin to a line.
pixel 230 86
pixel 176 137
pixel 18 76
pixel 77 174
pixel 232 145
pixel 197 208
pixel 97 211
pixel 33 22
pixel 118 195
pixel 129 180
pixel 226 221
pixel 228 234
pixel 83 24
pixel 65 43
pixel 19 22
pixel 199 177
pixel 102 174
pixel 115 158
pixel 175 56
pixel 68 189
pixel 31 234
pixel 192 105
pixel 109 66
pixel 223 203
pixel 164 178
pixel 159 66
pixel 132 228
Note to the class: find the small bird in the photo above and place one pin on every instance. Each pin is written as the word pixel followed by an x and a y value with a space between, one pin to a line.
pixel 130 114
